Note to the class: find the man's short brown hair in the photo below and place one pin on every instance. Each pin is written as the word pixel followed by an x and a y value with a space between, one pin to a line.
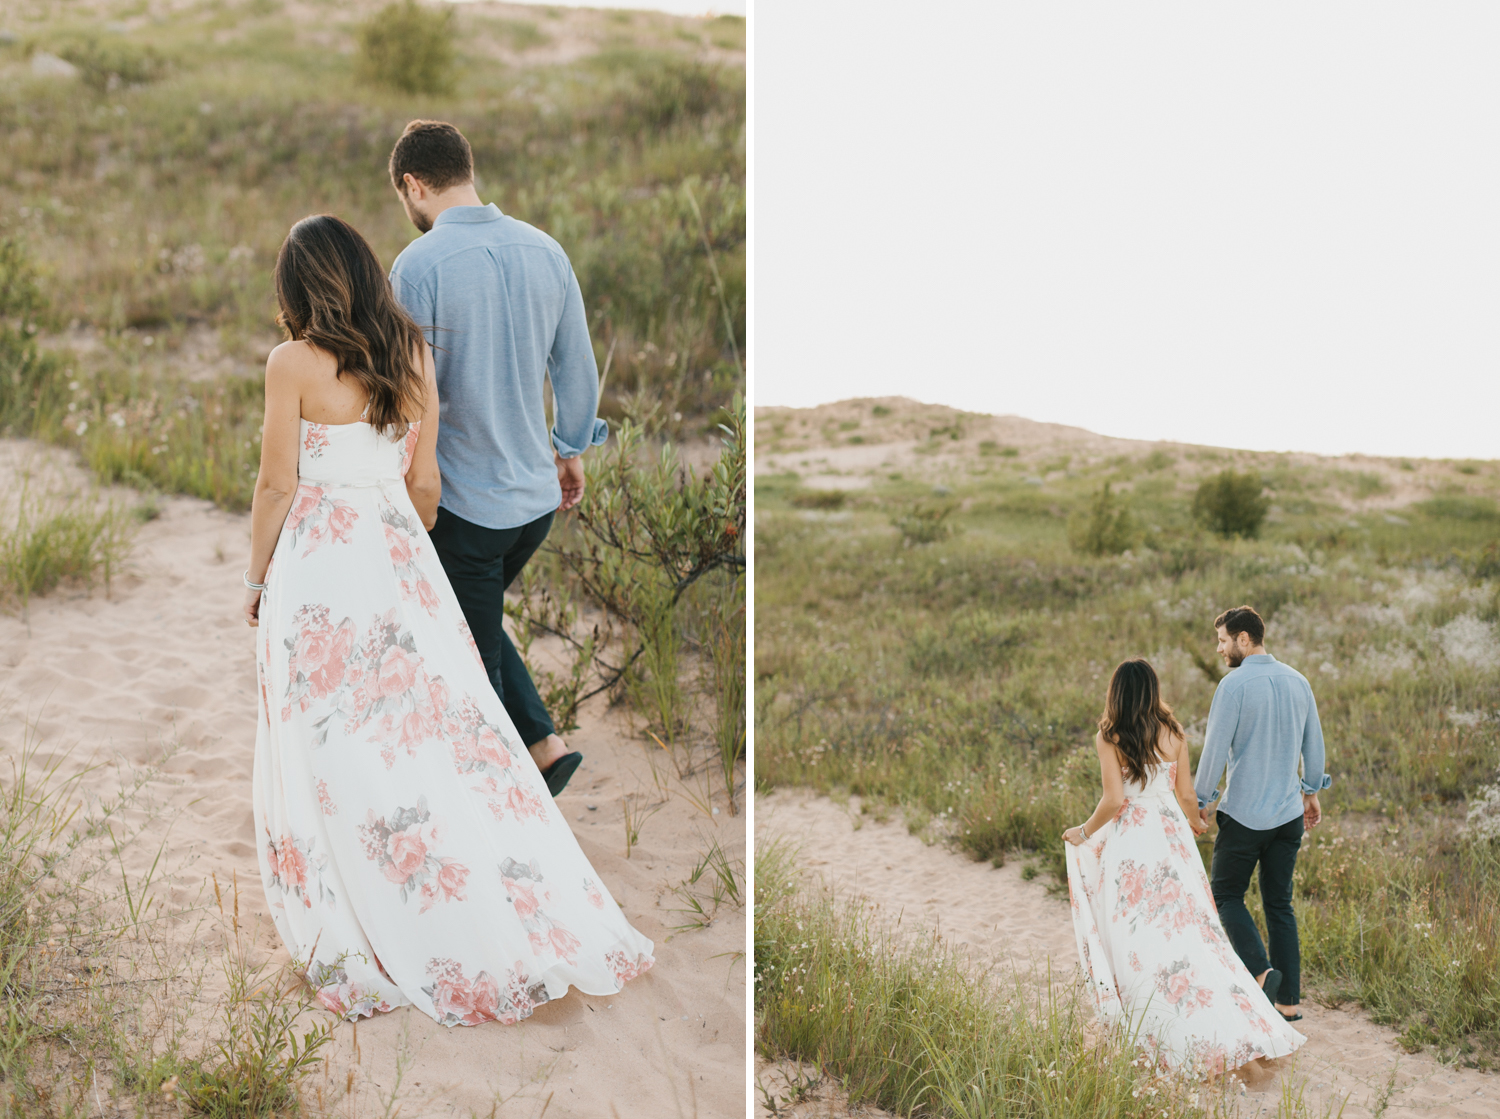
pixel 1243 619
pixel 434 152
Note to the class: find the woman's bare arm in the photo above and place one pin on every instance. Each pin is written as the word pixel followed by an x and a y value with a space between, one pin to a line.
pixel 276 484
pixel 424 484
pixel 1187 796
pixel 1114 788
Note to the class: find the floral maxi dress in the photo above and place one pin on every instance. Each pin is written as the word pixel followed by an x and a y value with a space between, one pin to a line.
pixel 1154 954
pixel 409 849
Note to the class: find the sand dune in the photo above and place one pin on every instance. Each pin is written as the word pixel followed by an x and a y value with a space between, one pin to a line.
pixel 1347 1061
pixel 164 666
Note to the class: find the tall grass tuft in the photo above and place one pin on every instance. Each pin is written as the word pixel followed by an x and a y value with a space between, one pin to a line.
pixel 60 538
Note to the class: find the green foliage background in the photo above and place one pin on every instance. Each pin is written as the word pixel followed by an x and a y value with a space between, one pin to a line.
pixel 961 678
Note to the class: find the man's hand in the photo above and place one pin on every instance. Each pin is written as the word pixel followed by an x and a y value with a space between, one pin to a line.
pixel 1312 811
pixel 570 477
pixel 1204 816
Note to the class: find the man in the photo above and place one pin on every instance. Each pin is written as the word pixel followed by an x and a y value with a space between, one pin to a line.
pixel 1262 720
pixel 503 311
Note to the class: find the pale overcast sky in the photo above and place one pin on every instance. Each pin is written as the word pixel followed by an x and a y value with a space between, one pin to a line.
pixel 1270 226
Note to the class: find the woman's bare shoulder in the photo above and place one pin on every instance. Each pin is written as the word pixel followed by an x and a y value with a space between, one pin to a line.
pixel 297 358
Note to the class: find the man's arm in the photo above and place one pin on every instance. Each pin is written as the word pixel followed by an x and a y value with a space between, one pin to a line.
pixel 419 301
pixel 1223 718
pixel 575 381
pixel 1314 779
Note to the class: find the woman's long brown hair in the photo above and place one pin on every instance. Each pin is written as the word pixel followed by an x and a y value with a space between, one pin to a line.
pixel 333 294
pixel 1135 717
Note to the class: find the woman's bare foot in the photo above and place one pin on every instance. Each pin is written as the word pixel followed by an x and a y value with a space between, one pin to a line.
pixel 547 751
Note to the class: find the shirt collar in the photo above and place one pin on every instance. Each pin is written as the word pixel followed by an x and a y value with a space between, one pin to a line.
pixel 469 214
pixel 1259 658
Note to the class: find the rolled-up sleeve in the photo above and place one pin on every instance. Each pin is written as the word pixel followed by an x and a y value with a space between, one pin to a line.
pixel 1314 780
pixel 575 380
pixel 1223 718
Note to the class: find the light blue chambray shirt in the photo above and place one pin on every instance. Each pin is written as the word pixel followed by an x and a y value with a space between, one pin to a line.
pixel 501 307
pixel 1262 717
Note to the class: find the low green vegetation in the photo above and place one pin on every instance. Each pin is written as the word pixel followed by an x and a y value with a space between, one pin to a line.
pixel 148 196
pixel 960 677
pixel 913 1027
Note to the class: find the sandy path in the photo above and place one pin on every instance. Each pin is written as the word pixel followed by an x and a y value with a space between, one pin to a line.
pixel 166 662
pixel 1001 917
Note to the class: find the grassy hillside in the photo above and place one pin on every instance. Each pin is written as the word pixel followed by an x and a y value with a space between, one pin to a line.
pixel 152 188
pixel 930 632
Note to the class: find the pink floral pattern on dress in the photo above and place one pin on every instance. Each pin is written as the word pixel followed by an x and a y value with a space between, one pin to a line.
pixel 402 539
pixel 363 652
pixel 316 440
pixel 624 969
pixel 546 933
pixel 403 846
pixel 292 862
pixel 409 446
pixel 458 1000
pixel 319 519
pixel 334 990
pixel 1152 948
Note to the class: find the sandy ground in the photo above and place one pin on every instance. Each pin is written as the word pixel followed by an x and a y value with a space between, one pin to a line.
pixel 164 666
pixel 1347 1061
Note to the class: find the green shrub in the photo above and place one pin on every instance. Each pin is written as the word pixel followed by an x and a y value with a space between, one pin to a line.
pixel 106 66
pixel 1487 566
pixel 1105 528
pixel 1460 507
pixel 407 47
pixel 819 499
pixel 970 642
pixel 1231 504
pixel 924 524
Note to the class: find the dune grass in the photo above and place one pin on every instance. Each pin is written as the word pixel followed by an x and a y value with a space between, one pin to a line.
pixel 155 205
pixel 961 680
pixel 58 537
pixel 916 1028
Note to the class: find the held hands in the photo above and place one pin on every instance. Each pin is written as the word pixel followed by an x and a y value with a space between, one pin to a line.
pixel 570 477
pixel 1199 823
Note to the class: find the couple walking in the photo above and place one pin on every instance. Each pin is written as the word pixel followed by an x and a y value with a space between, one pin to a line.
pixel 405 765
pixel 1175 958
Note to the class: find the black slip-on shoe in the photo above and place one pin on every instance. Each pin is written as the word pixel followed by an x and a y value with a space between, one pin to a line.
pixel 559 773
pixel 1291 1017
pixel 1272 986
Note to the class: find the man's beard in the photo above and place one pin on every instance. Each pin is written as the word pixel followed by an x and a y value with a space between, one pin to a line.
pixel 418 219
pixel 1234 658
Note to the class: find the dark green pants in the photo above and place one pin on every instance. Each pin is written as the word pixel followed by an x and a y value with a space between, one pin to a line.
pixel 1237 852
pixel 481 563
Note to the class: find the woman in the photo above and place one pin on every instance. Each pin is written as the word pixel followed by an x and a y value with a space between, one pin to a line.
pixel 410 851
pixel 1149 936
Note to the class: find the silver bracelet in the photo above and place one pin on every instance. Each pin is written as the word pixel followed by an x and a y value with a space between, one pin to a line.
pixel 252 586
pixel 1083 830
